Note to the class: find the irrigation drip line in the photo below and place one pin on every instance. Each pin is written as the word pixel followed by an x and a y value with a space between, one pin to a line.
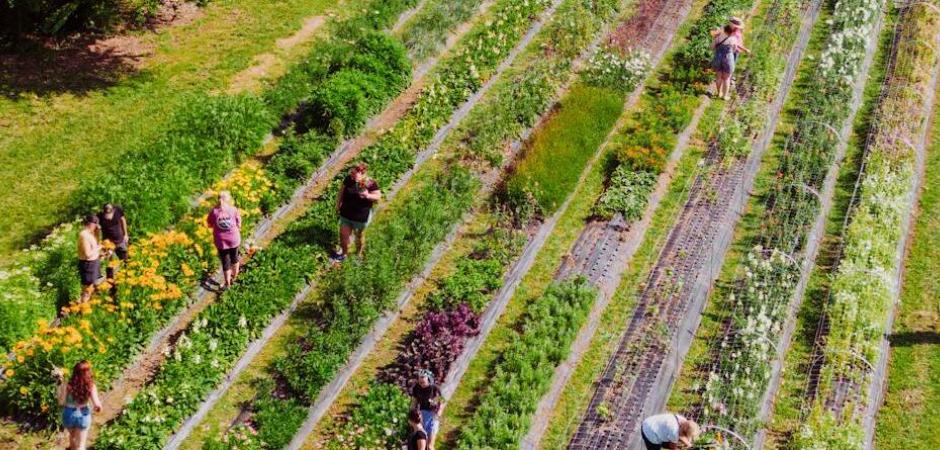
pixel 823 201
pixel 640 372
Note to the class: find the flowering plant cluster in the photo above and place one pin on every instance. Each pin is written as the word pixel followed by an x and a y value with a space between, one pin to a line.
pixel 613 69
pixel 162 268
pixel 865 285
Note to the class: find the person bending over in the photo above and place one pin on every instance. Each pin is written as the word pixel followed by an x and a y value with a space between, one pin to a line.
pixel 668 431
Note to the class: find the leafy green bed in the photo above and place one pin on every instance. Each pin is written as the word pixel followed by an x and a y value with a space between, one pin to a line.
pixel 306 368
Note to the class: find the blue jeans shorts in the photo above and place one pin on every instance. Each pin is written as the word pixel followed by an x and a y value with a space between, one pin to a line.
pixel 358 226
pixel 79 417
pixel 430 421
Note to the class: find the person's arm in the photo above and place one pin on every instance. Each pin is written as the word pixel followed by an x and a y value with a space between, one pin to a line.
pixel 95 400
pixel 422 444
pixel 210 220
pixel 671 445
pixel 62 392
pixel 339 198
pixel 127 236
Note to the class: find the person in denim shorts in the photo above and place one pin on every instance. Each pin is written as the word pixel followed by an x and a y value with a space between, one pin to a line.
pixel 354 203
pixel 77 398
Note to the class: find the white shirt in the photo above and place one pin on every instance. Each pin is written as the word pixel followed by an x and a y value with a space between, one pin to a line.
pixel 662 428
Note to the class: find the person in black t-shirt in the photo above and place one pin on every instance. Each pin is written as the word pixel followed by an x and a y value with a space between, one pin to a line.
pixel 114 228
pixel 354 204
pixel 426 399
pixel 417 439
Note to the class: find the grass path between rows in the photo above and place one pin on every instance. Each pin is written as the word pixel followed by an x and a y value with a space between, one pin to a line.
pixel 912 402
pixel 49 143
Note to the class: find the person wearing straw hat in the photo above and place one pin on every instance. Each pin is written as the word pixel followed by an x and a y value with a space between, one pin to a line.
pixel 426 398
pixel 727 43
pixel 668 431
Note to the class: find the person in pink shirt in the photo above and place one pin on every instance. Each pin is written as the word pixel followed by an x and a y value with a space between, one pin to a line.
pixel 226 224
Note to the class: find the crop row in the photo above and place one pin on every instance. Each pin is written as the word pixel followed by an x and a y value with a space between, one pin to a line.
pixel 456 303
pixel 525 369
pixel 865 285
pixel 164 266
pixel 765 284
pixel 351 296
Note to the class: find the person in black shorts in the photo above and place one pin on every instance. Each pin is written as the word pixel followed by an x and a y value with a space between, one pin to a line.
pixel 417 438
pixel 89 257
pixel 113 226
pixel 354 203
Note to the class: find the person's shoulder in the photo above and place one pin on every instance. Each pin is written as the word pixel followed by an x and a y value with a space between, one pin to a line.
pixel 421 434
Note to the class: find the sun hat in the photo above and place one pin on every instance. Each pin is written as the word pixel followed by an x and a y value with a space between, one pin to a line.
pixel 736 22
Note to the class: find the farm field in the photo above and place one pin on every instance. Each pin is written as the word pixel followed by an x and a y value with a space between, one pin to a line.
pixel 573 232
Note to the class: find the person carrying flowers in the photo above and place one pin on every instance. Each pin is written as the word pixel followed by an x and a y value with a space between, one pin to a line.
pixel 226 224
pixel 89 257
pixel 354 203
pixel 77 397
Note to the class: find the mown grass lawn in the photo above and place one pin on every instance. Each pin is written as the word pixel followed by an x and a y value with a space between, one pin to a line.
pixel 51 140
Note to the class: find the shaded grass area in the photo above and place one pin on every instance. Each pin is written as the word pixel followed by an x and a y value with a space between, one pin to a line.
pixel 50 143
pixel 912 402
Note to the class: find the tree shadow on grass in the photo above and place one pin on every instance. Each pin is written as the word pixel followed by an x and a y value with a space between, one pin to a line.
pixel 912 338
pixel 78 66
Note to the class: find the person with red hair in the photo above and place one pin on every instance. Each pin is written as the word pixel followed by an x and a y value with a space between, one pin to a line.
pixel 76 398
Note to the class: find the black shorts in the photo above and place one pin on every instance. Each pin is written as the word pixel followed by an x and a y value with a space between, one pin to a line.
pixel 121 252
pixel 650 445
pixel 229 258
pixel 89 271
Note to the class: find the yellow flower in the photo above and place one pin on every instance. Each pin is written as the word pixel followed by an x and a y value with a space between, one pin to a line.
pixel 24 390
pixel 20 359
pixel 9 373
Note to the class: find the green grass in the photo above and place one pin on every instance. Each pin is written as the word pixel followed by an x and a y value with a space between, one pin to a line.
pixel 554 159
pixel 912 403
pixel 51 140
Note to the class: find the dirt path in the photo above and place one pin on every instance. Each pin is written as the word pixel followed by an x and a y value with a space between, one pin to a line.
pixel 266 63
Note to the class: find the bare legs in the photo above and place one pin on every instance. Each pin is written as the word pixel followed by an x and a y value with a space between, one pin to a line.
pixel 723 84
pixel 345 234
pixel 232 273
pixel 77 438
